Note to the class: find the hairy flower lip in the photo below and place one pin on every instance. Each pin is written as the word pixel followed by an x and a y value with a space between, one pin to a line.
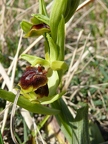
pixel 40 26
pixel 34 77
pixel 42 91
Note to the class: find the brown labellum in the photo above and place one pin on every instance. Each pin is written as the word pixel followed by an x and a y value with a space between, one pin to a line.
pixel 35 77
pixel 40 26
pixel 42 91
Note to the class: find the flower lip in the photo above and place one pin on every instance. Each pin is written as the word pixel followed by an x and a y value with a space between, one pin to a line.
pixel 34 77
pixel 40 26
pixel 42 91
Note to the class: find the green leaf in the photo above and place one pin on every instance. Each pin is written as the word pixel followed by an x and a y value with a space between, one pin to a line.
pixel 26 26
pixel 1 139
pixel 58 9
pixel 24 103
pixel 41 18
pixel 34 60
pixel 75 129
pixel 25 131
pixel 42 8
pixel 71 7
pixel 95 134
pixel 64 119
pixel 65 8
pixel 80 126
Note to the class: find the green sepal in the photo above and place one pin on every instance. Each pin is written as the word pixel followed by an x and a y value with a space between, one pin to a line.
pixel 26 26
pixel 59 65
pixel 26 104
pixel 34 20
pixel 37 32
pixel 41 18
pixel 53 83
pixel 34 60
pixel 54 65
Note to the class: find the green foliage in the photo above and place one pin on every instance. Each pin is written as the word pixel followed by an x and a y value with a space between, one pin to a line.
pixel 1 139
pixel 75 129
pixel 95 135
pixel 24 103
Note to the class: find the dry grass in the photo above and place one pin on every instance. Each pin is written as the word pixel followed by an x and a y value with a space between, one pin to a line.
pixel 86 51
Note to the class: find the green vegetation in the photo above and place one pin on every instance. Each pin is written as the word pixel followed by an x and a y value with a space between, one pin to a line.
pixel 75 70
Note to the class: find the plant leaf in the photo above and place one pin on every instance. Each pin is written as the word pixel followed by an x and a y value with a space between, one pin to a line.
pixel 1 139
pixel 75 130
pixel 24 103
pixel 42 8
pixel 71 7
pixel 58 9
pixel 80 127
pixel 64 119
pixel 95 134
